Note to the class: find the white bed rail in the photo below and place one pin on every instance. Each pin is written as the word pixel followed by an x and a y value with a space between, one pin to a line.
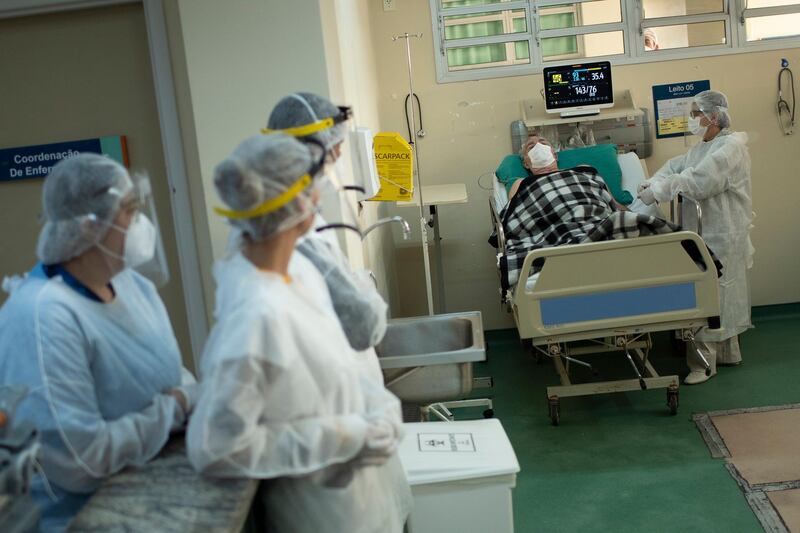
pixel 593 278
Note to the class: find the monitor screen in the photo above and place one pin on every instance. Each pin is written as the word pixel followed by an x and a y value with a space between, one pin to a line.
pixel 584 86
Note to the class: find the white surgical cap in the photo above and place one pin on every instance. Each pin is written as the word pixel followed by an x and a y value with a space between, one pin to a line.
pixel 80 200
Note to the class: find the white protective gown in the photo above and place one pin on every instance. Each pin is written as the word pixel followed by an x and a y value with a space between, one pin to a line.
pixel 96 374
pixel 284 399
pixel 717 175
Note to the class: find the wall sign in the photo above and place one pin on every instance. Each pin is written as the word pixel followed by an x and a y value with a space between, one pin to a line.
pixel 29 162
pixel 671 103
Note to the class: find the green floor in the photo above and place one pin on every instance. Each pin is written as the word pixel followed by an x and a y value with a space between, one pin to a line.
pixel 620 462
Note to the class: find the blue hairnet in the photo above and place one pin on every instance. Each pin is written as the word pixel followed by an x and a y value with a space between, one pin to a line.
pixel 75 188
pixel 261 168
pixel 300 109
pixel 714 105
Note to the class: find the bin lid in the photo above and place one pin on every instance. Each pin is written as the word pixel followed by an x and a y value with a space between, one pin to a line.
pixel 436 452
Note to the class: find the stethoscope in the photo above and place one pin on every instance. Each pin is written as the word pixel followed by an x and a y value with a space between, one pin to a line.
pixel 782 105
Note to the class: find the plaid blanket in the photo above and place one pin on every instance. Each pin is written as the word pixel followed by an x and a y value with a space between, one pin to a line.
pixel 565 207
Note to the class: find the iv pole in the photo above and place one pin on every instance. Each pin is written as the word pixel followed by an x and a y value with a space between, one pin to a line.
pixel 423 222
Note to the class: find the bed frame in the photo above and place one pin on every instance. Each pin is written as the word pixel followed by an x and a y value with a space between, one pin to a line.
pixel 634 287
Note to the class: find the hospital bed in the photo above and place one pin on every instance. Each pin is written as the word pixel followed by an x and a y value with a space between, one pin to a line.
pixel 635 287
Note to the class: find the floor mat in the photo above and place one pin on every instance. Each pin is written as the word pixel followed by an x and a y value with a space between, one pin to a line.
pixel 760 446
pixel 787 503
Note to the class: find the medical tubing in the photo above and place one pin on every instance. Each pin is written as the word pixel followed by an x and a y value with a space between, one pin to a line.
pixel 419 107
pixel 339 225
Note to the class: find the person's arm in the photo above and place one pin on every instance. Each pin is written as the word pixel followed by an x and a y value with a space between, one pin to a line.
pixel 236 430
pixel 672 166
pixel 82 448
pixel 514 188
pixel 708 178
pixel 361 310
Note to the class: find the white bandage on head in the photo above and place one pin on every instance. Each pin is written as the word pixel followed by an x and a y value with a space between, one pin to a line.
pixel 541 156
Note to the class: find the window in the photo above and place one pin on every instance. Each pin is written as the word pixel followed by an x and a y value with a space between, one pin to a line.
pixel 480 39
pixel 771 19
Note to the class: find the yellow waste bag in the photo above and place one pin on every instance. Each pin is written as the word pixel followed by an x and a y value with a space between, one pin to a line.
pixel 394 159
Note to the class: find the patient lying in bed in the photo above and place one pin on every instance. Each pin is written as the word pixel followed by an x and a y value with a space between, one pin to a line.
pixel 554 207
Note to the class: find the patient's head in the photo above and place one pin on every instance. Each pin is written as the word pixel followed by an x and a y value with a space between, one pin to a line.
pixel 538 155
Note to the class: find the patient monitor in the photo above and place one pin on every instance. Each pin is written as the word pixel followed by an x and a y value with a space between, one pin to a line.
pixel 578 90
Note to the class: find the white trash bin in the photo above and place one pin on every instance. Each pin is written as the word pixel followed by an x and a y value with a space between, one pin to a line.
pixel 461 475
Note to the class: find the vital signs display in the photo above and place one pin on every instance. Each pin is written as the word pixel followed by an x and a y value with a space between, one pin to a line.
pixel 586 86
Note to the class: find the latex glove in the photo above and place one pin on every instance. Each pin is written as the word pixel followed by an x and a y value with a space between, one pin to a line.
pixel 380 445
pixel 645 194
pixel 642 186
pixel 186 398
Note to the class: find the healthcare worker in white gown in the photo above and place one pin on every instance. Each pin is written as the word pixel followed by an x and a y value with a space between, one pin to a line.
pixel 91 339
pixel 283 398
pixel 716 173
pixel 361 310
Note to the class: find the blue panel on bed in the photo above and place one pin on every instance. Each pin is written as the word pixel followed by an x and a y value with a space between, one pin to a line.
pixel 615 304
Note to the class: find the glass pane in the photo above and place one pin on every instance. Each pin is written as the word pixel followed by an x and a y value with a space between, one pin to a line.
pixel 485 24
pixel 488 55
pixel 449 4
pixel 759 28
pixel 671 8
pixel 582 14
pixel 685 35
pixel 753 4
pixel 579 46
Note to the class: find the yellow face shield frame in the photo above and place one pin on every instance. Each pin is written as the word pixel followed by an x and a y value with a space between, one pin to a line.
pixel 315 127
pixel 271 205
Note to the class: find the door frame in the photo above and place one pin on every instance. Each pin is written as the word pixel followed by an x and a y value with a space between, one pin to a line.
pixel 172 144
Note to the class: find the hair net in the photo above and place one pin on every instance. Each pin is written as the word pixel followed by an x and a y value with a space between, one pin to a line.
pixel 87 184
pixel 300 109
pixel 262 168
pixel 714 105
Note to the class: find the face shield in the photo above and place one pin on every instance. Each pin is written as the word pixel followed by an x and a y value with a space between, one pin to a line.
pixel 335 181
pixel 287 205
pixel 693 116
pixel 155 267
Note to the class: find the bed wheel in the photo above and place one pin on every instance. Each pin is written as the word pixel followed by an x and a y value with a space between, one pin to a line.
pixel 554 408
pixel 489 413
pixel 673 400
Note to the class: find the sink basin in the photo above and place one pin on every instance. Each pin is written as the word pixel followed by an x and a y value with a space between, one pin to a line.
pixel 429 359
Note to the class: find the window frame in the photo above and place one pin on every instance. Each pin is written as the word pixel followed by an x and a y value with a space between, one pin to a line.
pixel 734 15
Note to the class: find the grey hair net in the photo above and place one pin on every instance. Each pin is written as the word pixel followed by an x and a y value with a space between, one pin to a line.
pixel 300 109
pixel 714 105
pixel 80 200
pixel 261 168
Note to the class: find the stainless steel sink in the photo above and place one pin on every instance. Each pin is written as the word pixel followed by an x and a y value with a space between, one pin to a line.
pixel 429 358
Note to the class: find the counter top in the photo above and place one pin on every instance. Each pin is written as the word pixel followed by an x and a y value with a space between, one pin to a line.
pixel 167 495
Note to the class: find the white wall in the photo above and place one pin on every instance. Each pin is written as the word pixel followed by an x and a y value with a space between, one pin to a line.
pixel 353 80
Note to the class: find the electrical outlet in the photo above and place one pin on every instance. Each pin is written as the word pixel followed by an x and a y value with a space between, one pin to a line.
pixel 389 5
